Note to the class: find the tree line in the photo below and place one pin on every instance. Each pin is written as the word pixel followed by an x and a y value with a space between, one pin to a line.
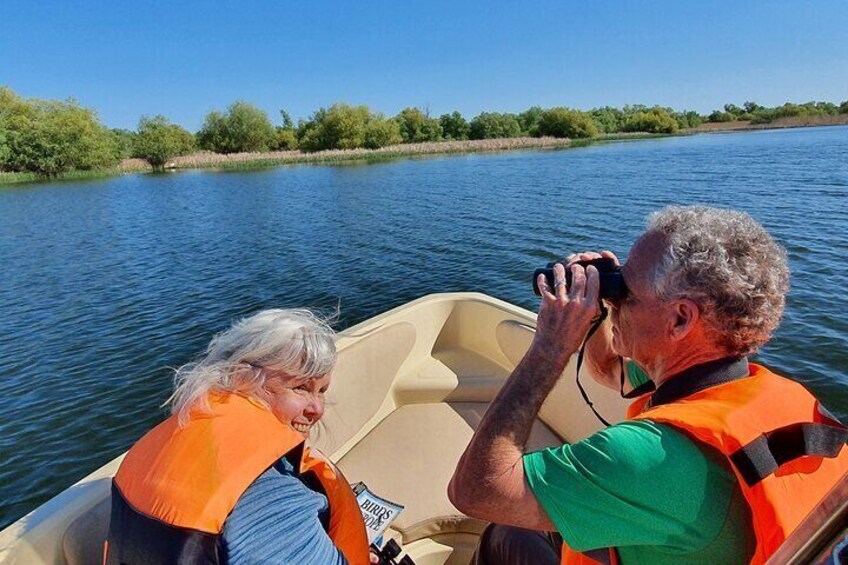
pixel 49 137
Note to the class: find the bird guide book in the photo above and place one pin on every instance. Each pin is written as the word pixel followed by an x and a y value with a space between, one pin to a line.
pixel 377 512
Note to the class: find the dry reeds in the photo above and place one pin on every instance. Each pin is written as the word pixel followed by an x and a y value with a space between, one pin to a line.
pixel 208 159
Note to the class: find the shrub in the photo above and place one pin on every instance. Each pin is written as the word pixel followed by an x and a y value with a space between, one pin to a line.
pixel 4 146
pixel 49 137
pixel 491 125
pixel 286 139
pixel 417 127
pixel 243 127
pixel 454 126
pixel 529 121
pixel 718 117
pixel 607 119
pixel 124 142
pixel 688 119
pixel 655 120
pixel 380 132
pixel 564 122
pixel 158 140
pixel 340 126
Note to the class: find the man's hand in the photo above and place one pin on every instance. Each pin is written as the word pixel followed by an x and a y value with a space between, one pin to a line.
pixel 565 315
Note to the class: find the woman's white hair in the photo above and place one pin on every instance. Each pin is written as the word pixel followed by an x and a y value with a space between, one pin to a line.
pixel 730 266
pixel 293 342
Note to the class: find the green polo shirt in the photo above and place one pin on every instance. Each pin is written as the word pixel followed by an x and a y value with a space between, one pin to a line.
pixel 646 489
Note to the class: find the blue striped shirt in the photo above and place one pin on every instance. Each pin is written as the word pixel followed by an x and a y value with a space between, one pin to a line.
pixel 278 519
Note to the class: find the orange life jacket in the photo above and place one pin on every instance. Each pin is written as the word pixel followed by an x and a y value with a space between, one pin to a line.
pixel 787 453
pixel 177 485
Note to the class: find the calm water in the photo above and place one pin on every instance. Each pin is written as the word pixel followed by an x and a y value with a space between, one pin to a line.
pixel 105 284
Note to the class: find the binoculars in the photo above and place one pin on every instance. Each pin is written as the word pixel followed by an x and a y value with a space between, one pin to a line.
pixel 612 283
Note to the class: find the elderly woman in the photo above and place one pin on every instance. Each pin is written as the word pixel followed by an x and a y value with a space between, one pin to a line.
pixel 228 478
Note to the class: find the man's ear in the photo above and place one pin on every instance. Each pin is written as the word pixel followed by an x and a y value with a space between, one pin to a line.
pixel 686 317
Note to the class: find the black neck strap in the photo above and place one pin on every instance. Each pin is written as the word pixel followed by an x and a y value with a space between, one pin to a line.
pixel 595 325
pixel 700 377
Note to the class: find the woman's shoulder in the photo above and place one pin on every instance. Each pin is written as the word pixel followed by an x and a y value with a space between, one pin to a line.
pixel 277 515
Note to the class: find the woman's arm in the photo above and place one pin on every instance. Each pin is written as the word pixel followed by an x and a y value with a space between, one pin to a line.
pixel 277 520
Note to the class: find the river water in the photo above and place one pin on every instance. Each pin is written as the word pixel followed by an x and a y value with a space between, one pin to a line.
pixel 106 284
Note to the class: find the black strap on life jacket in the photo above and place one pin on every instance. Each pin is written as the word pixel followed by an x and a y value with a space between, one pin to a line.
pixel 767 453
pixel 700 377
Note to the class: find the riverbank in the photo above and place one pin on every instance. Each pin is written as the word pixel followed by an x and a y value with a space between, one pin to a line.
pixel 245 161
pixel 238 161
pixel 779 123
pixel 7 178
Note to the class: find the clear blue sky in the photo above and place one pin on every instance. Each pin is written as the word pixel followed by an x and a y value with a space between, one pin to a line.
pixel 185 58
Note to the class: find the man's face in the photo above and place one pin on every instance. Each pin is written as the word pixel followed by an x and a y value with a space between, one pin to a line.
pixel 640 320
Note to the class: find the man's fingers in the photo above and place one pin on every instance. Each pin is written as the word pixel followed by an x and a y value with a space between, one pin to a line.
pixel 578 282
pixel 559 281
pixel 593 284
pixel 544 287
pixel 610 255
pixel 584 256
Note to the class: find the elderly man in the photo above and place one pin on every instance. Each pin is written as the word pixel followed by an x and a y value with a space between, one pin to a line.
pixel 719 464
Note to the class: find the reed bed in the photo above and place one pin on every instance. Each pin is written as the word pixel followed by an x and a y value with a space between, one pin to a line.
pixel 207 159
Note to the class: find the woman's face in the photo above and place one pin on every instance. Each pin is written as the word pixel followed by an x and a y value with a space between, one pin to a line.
pixel 297 401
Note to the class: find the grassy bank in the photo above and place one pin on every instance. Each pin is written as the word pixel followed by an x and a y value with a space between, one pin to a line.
pixel 19 178
pixel 248 161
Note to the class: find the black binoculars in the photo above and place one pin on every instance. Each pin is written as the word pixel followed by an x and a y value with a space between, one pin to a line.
pixel 388 554
pixel 612 283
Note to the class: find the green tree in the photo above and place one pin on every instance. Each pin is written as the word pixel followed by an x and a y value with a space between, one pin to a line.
pixel 4 146
pixel 608 119
pixel 719 116
pixel 124 142
pixel 341 126
pixel 417 127
pixel 380 132
pixel 286 136
pixel 158 140
pixel 454 126
pixel 286 139
pixel 288 123
pixel 751 107
pixel 734 110
pixel 688 119
pixel 529 120
pixel 50 137
pixel 243 127
pixel 564 122
pixel 492 125
pixel 655 120
pixel 843 108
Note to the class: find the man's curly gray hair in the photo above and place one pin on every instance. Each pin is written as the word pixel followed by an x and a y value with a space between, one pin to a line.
pixel 293 342
pixel 729 265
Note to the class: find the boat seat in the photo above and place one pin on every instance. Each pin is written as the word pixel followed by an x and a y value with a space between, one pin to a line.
pixel 82 543
pixel 411 464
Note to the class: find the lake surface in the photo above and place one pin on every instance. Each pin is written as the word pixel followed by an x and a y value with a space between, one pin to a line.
pixel 107 283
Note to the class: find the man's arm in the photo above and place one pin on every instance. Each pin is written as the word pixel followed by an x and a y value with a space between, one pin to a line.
pixel 489 480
